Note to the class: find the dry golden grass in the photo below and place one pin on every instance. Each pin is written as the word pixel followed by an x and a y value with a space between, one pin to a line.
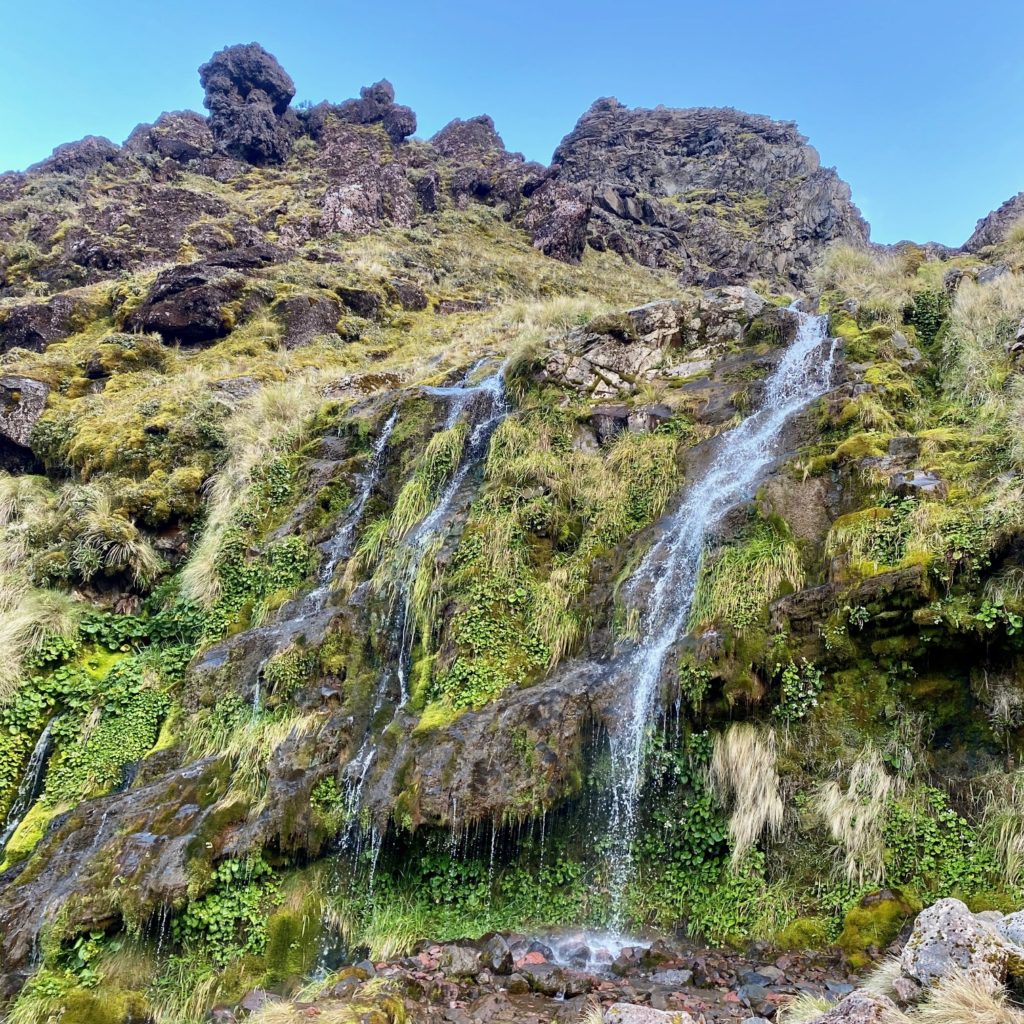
pixel 745 781
pixel 854 812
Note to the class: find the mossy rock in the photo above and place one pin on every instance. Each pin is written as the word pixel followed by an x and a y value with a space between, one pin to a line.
pixel 106 1006
pixel 873 924
pixel 804 933
pixel 27 835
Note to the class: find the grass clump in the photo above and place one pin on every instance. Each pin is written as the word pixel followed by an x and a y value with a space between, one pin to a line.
pixel 737 583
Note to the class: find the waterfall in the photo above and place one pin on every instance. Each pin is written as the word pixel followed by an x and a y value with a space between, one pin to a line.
pixel 485 405
pixel 489 397
pixel 339 547
pixel 660 592
pixel 31 784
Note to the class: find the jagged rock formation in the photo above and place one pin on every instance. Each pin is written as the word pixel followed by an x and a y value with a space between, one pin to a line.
pixel 992 228
pixel 721 195
pixel 247 94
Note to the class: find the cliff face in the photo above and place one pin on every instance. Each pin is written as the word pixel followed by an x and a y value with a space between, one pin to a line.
pixel 993 227
pixel 403 540
pixel 720 195
pixel 717 196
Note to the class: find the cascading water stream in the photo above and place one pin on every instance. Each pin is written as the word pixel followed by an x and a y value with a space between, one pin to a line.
pixel 660 592
pixel 339 547
pixel 486 406
pixel 31 784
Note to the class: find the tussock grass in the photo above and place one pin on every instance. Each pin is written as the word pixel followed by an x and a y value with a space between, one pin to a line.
pixel 273 419
pixel 803 1009
pixel 1002 824
pixel 961 996
pixel 878 279
pixel 186 995
pixel 854 812
pixel 745 781
pixel 28 616
pixel 249 745
pixel 739 581
pixel 982 323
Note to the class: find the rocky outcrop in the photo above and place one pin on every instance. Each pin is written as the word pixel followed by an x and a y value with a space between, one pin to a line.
pixel 720 195
pixel 188 304
pixel 670 341
pixel 22 401
pixel 79 158
pixel 376 105
pixel 948 937
pixel 247 94
pixel 35 325
pixel 181 135
pixel 992 228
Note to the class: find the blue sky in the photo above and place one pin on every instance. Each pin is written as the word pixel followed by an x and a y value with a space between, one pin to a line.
pixel 918 103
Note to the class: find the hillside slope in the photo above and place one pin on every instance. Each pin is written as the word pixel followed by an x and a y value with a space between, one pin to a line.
pixel 402 541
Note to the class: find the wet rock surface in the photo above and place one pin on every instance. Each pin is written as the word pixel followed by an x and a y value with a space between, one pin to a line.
pixel 691 985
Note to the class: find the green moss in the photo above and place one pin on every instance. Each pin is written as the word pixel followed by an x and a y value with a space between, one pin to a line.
pixel 804 933
pixel 108 1006
pixel 27 835
pixel 873 924
pixel 293 938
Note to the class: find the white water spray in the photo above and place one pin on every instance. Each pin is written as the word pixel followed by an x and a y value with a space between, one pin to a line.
pixel 31 784
pixel 661 590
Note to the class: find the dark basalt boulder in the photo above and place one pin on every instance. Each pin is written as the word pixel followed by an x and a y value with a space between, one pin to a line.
pixel 186 304
pixel 305 317
pixel 79 158
pixel 247 94
pixel 35 325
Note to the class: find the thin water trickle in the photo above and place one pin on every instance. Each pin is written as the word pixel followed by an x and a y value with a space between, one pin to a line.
pixel 484 402
pixel 31 784
pixel 661 591
pixel 339 547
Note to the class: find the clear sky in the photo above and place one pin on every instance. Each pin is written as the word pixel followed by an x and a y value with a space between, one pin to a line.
pixel 918 103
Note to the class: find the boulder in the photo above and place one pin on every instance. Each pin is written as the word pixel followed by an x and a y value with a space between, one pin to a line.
pixel 496 955
pixel 860 1008
pixel 22 401
pixel 247 94
pixel 305 317
pixel 459 961
pixel 187 304
pixel 410 296
pixel 947 937
pixel 917 483
pixel 630 1013
pixel 36 324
